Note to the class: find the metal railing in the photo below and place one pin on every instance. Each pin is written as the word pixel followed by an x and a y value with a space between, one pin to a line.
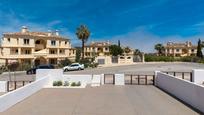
pixel 109 78
pixel 135 79
pixel 13 85
pixel 183 75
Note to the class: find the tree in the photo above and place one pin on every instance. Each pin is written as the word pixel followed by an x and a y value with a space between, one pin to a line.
pixel 115 50
pixel 83 34
pixel 159 48
pixel 137 52
pixel 119 43
pixel 64 62
pixel 127 50
pixel 78 54
pixel 199 49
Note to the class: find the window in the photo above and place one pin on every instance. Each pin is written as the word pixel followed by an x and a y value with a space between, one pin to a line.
pixel 52 52
pixel 53 42
pixel 65 42
pixel 128 57
pixel 16 52
pixel 177 50
pixel 8 39
pixel 26 41
pixel 53 61
pixel 62 52
pixel 192 50
pixel 106 49
pixel 37 42
pixel 27 51
pixel 122 58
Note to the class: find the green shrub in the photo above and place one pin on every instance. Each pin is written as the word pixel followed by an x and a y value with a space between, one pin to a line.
pixel 93 65
pixel 66 83
pixel 86 62
pixel 57 83
pixel 73 84
pixel 150 58
pixel 64 62
pixel 78 83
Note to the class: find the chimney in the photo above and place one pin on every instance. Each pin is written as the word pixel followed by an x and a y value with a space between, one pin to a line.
pixel 57 32
pixel 24 29
pixel 49 33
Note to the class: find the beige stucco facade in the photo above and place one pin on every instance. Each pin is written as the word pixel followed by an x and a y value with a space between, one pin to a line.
pixel 180 49
pixel 35 47
pixel 97 49
pixel 101 52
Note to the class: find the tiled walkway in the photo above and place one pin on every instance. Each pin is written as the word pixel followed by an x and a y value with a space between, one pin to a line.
pixel 104 100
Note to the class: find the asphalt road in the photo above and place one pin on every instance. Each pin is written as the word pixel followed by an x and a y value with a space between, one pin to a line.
pixel 140 68
pixel 143 68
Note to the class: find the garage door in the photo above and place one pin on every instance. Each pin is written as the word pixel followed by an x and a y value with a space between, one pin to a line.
pixel 101 61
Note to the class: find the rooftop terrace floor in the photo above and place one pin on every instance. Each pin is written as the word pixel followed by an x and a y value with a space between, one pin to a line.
pixel 104 100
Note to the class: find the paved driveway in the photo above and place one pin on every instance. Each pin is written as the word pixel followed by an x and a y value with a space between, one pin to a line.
pixel 140 68
pixel 104 100
pixel 143 68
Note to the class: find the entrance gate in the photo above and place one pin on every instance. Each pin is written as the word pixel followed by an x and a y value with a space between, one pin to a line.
pixel 109 78
pixel 133 79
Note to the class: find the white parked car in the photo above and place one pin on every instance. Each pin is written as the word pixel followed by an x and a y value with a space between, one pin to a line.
pixel 74 66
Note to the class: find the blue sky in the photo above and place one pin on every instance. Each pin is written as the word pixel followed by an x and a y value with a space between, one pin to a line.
pixel 137 23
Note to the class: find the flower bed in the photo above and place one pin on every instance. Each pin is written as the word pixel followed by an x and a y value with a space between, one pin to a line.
pixel 66 84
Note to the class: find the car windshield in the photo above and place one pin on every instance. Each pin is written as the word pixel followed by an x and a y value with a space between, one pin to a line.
pixel 43 67
pixel 74 65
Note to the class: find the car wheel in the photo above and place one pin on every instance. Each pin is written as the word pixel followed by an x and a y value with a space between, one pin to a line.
pixel 66 70
pixel 29 72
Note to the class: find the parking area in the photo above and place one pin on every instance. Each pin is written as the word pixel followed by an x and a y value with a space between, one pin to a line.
pixel 140 68
pixel 104 100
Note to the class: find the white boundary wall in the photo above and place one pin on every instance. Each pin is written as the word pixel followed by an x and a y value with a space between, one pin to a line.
pixel 187 91
pixel 198 76
pixel 11 98
pixel 3 86
pixel 119 79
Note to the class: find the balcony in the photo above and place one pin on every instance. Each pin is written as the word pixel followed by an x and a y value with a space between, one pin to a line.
pixel 40 53
pixel 39 46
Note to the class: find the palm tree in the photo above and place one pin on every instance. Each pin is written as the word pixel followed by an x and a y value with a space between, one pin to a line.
pixel 83 34
pixel 159 48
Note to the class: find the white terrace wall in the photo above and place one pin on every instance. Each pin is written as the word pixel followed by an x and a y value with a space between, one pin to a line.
pixel 11 98
pixel 188 92
pixel 198 76
pixel 119 79
pixel 3 86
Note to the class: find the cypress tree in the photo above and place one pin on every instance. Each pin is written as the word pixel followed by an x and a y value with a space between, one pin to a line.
pixel 199 49
pixel 119 43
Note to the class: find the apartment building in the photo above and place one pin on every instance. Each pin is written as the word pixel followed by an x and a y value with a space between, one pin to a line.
pixel 101 52
pixel 180 49
pixel 95 49
pixel 35 47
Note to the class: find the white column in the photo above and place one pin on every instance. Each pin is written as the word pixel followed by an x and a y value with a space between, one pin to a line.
pixel 119 79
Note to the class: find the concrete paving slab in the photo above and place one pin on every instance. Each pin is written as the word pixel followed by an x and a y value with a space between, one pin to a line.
pixel 104 100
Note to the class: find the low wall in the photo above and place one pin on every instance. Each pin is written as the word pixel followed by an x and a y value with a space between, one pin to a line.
pixel 84 79
pixel 187 91
pixel 11 98
pixel 119 79
pixel 3 86
pixel 198 76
